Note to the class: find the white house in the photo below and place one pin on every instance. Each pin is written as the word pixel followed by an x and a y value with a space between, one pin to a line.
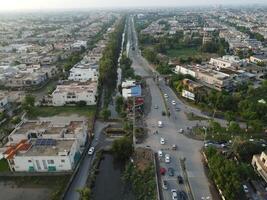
pixel 43 155
pixel 74 92
pixel 84 72
pixel 185 70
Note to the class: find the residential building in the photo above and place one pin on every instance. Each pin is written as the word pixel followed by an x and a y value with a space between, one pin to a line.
pixel 84 72
pixel 259 163
pixel 43 155
pixel 69 92
pixel 190 89
pixel 130 88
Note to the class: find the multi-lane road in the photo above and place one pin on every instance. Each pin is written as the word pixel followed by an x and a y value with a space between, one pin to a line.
pixel 187 148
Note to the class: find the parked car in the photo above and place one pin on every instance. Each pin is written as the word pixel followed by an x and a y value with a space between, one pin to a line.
pixel 245 188
pixel 174 194
pixel 167 158
pixel 180 179
pixel 170 171
pixel 165 185
pixel 162 141
pixel 91 151
pixel 160 153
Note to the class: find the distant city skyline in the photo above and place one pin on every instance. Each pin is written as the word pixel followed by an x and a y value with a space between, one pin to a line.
pixel 7 5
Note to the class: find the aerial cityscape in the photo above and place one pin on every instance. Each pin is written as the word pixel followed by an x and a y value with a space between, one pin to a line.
pixel 133 100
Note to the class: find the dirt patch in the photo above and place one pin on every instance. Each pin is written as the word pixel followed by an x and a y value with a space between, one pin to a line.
pixel 143 158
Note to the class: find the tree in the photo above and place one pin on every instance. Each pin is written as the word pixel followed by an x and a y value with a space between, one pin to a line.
pixel 105 113
pixel 85 193
pixel 246 150
pixel 229 116
pixel 81 103
pixel 256 126
pixel 28 103
pixel 122 148
pixel 119 104
pixel 234 128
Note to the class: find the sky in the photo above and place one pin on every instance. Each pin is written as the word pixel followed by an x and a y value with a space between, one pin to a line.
pixel 6 5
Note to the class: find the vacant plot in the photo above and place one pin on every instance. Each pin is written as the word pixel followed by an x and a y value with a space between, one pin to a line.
pixel 4 166
pixel 49 111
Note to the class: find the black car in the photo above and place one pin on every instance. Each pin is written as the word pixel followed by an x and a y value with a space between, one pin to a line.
pixel 182 195
pixel 180 179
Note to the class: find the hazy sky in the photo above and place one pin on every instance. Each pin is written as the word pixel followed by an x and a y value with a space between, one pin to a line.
pixel 67 4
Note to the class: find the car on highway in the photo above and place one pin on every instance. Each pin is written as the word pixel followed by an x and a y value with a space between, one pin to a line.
pixel 174 147
pixel 162 171
pixel 156 106
pixel 162 141
pixel 180 179
pixel 160 153
pixel 167 158
pixel 170 171
pixel 165 185
pixel 91 151
pixel 166 96
pixel 177 109
pixel 160 124
pixel 181 130
pixel 173 102
pixel 174 194
pixel 182 195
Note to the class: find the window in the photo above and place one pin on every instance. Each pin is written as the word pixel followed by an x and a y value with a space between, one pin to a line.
pixel 50 162
pixel 29 161
pixel 62 161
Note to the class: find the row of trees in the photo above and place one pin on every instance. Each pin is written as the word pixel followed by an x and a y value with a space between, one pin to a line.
pixel 109 61
pixel 225 174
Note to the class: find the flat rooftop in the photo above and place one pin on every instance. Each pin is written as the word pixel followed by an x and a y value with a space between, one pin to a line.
pixel 47 150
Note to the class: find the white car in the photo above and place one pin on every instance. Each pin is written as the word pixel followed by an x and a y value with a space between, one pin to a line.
pixel 166 96
pixel 181 130
pixel 245 188
pixel 173 103
pixel 167 158
pixel 160 153
pixel 91 150
pixel 174 194
pixel 160 124
pixel 162 141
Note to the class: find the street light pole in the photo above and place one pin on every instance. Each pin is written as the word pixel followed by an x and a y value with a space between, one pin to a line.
pixel 134 122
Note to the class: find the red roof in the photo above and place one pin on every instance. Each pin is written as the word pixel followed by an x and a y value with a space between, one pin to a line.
pixel 23 145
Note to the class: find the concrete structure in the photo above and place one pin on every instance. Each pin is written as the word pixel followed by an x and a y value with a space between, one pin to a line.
pixel 192 88
pixel 42 155
pixel 259 163
pixel 131 89
pixel 75 92
pixel 84 72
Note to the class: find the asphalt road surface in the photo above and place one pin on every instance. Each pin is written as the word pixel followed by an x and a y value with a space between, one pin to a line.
pixel 187 148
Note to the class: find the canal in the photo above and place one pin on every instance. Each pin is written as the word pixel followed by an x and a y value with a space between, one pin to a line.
pixel 109 185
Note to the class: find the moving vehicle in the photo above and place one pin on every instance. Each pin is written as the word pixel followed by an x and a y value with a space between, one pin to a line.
pixel 160 153
pixel 160 124
pixel 167 158
pixel 166 96
pixel 162 171
pixel 177 109
pixel 170 171
pixel 156 106
pixel 174 147
pixel 165 185
pixel 173 102
pixel 181 130
pixel 91 151
pixel 162 141
pixel 174 194
pixel 182 195
pixel 180 179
